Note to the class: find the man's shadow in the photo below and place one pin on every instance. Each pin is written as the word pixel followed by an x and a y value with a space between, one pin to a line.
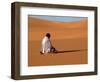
pixel 70 51
pixel 66 51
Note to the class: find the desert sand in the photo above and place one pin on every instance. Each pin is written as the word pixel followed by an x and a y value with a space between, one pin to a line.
pixel 69 38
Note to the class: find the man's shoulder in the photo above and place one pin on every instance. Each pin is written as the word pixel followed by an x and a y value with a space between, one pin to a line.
pixel 45 39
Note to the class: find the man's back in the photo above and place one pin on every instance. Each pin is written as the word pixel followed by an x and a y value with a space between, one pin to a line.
pixel 46 45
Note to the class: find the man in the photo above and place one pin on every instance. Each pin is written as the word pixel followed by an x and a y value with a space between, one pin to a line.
pixel 46 45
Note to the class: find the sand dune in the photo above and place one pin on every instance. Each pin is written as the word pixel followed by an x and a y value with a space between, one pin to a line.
pixel 38 28
pixel 66 36
pixel 46 24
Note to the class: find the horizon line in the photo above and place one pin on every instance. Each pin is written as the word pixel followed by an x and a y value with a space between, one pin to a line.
pixel 58 18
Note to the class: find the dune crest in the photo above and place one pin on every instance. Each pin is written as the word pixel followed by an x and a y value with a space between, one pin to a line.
pixel 35 22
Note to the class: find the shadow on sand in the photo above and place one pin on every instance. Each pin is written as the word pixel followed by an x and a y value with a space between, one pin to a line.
pixel 70 51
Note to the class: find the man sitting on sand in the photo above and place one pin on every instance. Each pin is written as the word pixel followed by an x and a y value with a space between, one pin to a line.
pixel 46 45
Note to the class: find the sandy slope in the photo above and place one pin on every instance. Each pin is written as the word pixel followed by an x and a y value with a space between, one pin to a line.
pixel 66 36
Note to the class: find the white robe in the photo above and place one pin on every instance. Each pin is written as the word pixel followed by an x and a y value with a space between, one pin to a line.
pixel 46 45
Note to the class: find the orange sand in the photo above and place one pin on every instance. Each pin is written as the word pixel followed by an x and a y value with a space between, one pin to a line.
pixel 69 38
